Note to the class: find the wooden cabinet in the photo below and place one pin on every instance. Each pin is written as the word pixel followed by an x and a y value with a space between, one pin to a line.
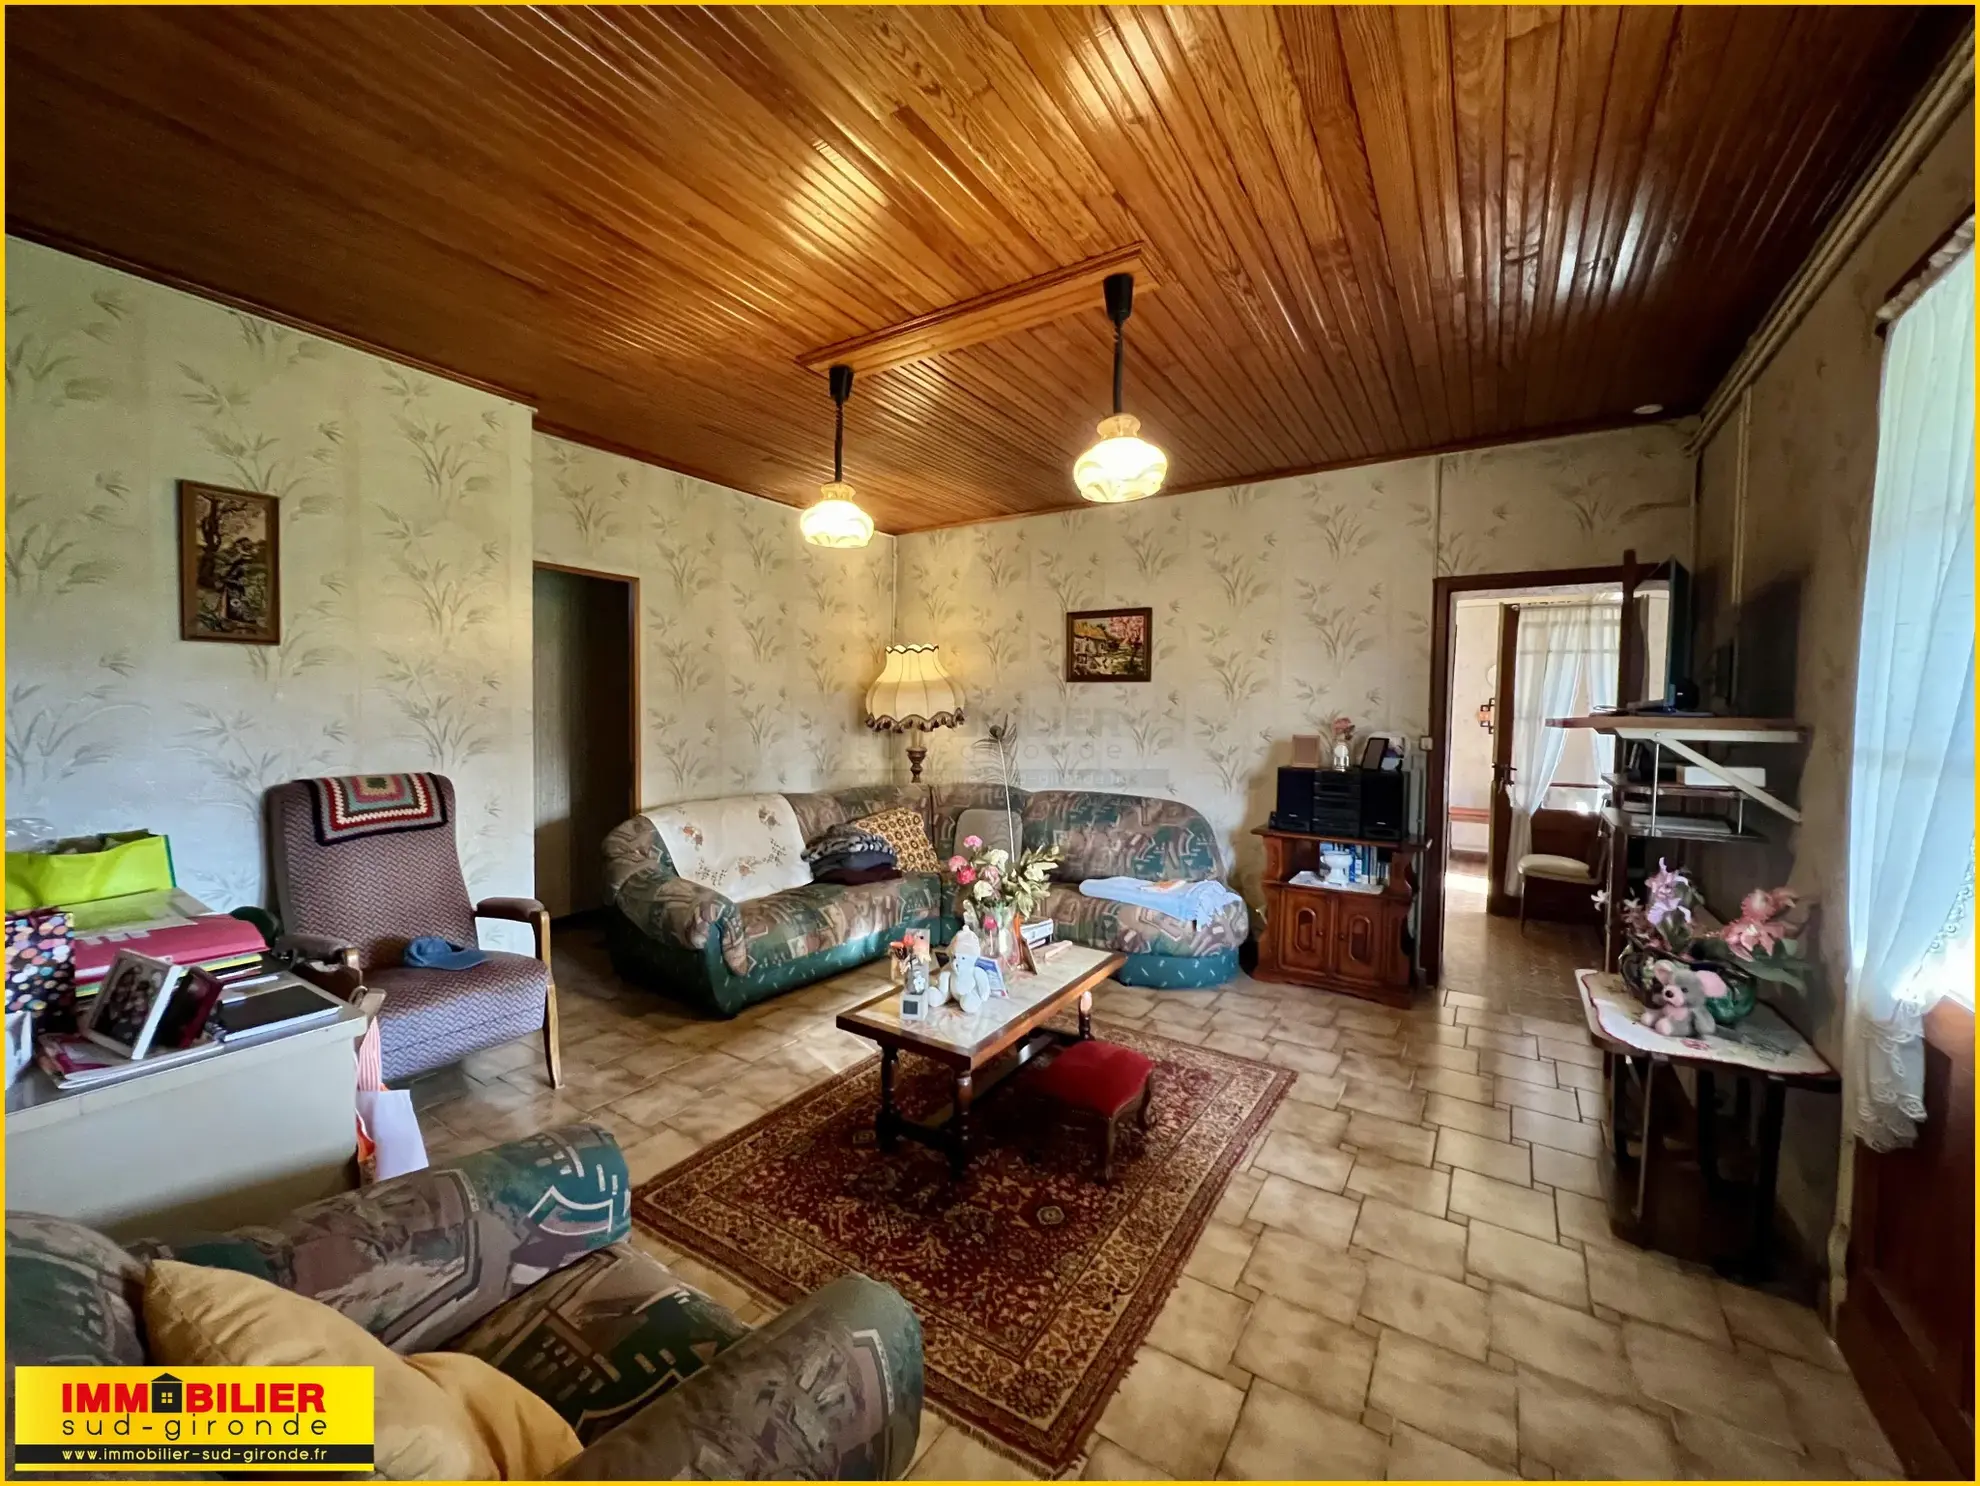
pixel 1342 939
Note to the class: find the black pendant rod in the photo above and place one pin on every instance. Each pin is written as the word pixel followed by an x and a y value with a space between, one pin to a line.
pixel 842 386
pixel 1119 289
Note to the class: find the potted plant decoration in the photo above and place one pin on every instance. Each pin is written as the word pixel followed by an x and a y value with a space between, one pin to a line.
pixel 1667 926
pixel 997 893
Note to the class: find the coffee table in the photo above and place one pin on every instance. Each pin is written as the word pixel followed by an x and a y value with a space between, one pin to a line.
pixel 982 1048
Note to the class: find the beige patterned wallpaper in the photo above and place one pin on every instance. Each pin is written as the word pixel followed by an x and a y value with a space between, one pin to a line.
pixel 1278 607
pixel 1805 451
pixel 756 648
pixel 405 575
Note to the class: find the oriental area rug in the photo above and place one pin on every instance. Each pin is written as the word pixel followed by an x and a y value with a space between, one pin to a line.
pixel 1034 1283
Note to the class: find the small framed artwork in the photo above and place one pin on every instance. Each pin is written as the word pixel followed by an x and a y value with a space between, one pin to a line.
pixel 230 568
pixel 1382 751
pixel 1110 645
pixel 124 1015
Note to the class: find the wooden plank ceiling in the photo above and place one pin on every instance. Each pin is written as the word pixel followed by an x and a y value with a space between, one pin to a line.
pixel 1376 231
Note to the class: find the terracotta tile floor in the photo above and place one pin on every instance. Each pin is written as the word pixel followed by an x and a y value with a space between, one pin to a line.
pixel 1410 1277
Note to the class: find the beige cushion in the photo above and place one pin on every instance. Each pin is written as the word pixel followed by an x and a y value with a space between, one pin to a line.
pixel 1559 869
pixel 992 827
pixel 436 1416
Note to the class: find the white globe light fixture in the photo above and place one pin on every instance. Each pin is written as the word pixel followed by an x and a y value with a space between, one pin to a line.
pixel 1123 466
pixel 836 520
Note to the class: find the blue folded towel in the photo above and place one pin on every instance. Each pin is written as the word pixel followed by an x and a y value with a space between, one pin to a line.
pixel 431 952
pixel 1196 902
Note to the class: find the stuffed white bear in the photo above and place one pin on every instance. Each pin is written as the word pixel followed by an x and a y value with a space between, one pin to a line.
pixel 965 977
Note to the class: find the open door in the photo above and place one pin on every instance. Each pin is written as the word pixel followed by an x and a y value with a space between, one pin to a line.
pixel 1443 596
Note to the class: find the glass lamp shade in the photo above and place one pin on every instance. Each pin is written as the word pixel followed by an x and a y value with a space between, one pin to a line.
pixel 835 521
pixel 1123 466
pixel 913 693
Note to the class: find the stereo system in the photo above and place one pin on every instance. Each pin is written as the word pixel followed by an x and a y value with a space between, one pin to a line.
pixel 1372 804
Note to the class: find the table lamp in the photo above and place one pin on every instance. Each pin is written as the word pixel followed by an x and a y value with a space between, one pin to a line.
pixel 913 695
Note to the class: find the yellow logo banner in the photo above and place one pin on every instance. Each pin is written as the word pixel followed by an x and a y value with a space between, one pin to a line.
pixel 192 1418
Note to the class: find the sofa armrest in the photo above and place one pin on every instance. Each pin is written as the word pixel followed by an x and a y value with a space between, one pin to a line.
pixel 673 910
pixel 830 1390
pixel 421 1257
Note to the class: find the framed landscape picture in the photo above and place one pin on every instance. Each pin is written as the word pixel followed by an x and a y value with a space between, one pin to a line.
pixel 230 575
pixel 1110 645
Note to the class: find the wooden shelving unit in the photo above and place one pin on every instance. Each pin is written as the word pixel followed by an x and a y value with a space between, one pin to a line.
pixel 1685 738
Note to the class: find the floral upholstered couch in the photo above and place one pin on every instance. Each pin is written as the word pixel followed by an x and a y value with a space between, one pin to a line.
pixel 518 1255
pixel 694 943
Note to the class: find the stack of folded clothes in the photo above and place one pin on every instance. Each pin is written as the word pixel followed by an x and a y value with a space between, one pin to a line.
pixel 846 854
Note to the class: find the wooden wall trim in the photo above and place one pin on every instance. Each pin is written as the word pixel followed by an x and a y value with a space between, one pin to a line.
pixel 1950 90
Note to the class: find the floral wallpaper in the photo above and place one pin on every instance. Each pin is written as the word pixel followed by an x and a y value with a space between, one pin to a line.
pixel 1278 607
pixel 1784 527
pixel 405 504
pixel 756 649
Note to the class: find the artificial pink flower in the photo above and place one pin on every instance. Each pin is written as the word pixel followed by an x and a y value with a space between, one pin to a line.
pixel 1710 982
pixel 965 875
pixel 957 863
pixel 972 842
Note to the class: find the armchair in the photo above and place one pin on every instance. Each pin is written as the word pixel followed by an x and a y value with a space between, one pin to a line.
pixel 357 890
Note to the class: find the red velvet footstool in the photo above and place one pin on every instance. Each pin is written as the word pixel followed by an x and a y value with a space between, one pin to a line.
pixel 1094 1081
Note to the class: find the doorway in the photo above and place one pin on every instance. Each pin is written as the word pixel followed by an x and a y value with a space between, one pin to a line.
pixel 1469 818
pixel 587 744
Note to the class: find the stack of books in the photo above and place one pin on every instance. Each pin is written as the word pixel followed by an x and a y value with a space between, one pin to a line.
pixel 155 925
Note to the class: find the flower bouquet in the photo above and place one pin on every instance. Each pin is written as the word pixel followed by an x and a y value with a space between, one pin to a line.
pixel 996 892
pixel 1763 943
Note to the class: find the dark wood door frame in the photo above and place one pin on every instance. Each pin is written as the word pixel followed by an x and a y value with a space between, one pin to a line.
pixel 1443 596
pixel 1498 830
pixel 632 652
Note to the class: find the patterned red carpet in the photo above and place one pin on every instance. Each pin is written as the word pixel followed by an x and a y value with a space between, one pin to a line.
pixel 1033 1282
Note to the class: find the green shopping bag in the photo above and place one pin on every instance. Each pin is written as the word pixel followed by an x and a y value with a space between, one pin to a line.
pixel 85 868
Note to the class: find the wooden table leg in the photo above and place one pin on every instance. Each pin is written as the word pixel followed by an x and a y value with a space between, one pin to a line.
pixel 959 1125
pixel 1647 1158
pixel 1759 1256
pixel 883 1121
pixel 1708 1128
pixel 1619 1069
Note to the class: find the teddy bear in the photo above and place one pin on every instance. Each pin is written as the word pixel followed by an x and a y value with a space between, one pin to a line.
pixel 1678 1006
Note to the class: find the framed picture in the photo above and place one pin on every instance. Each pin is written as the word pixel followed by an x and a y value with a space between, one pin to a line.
pixel 1110 645
pixel 230 569
pixel 1382 751
pixel 124 1015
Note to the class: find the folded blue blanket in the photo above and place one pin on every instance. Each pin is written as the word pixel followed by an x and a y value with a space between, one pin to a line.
pixel 1196 902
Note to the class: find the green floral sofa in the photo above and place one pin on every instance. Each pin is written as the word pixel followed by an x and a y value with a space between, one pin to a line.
pixel 518 1255
pixel 694 943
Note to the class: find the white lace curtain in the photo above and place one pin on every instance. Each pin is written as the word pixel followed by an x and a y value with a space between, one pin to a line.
pixel 1911 781
pixel 1567 657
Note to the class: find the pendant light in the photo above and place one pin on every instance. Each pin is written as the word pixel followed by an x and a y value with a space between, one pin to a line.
pixel 835 521
pixel 1123 466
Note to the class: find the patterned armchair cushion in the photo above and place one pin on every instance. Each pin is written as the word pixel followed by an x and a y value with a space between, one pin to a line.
pixel 419 1258
pixel 602 1339
pixel 432 1018
pixel 1121 835
pixel 804 921
pixel 375 892
pixel 73 1296
pixel 1134 930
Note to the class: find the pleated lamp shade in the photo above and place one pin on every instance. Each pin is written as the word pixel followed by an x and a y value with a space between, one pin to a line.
pixel 913 693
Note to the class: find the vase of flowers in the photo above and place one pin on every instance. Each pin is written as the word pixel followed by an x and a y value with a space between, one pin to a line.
pixel 1763 943
pixel 997 892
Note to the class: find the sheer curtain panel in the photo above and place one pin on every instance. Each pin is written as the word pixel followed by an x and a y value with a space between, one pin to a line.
pixel 1911 779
